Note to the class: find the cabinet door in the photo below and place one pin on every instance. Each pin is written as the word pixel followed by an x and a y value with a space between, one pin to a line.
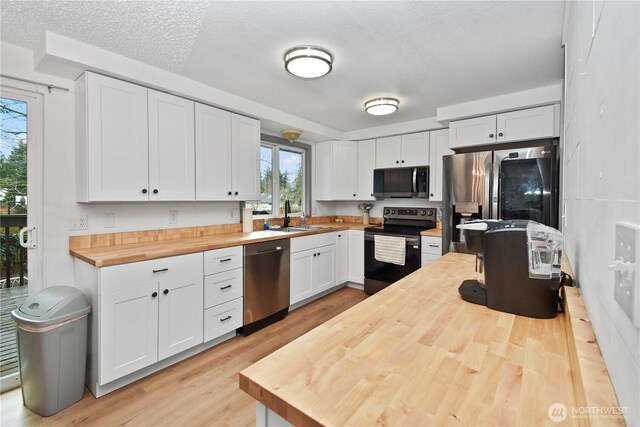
pixel 128 331
pixel 342 257
pixel 180 315
pixel 415 149
pixel 438 147
pixel 302 275
pixel 117 140
pixel 171 147
pixel 526 124
pixel 323 180
pixel 345 170
pixel 366 165
pixel 471 132
pixel 356 256
pixel 324 268
pixel 245 155
pixel 213 153
pixel 388 152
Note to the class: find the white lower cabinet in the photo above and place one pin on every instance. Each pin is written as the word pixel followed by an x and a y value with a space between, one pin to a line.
pixel 147 311
pixel 356 256
pixel 313 265
pixel 223 291
pixel 342 257
pixel 431 249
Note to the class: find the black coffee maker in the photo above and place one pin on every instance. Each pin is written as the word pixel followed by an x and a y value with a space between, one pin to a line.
pixel 519 266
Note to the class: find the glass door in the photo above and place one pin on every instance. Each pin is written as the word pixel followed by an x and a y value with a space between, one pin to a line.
pixel 526 184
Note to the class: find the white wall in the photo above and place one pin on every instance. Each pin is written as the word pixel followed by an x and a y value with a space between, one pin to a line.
pixel 602 178
pixel 59 181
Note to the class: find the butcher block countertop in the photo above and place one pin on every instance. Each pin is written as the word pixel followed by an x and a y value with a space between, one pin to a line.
pixel 138 250
pixel 415 354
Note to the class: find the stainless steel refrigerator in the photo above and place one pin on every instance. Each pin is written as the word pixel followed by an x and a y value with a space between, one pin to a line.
pixel 520 183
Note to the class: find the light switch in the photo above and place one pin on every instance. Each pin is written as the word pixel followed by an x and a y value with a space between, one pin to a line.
pixel 625 266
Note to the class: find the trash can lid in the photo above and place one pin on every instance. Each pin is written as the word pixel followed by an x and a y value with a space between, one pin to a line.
pixel 52 305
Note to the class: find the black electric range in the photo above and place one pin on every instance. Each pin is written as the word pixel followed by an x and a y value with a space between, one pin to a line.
pixel 404 223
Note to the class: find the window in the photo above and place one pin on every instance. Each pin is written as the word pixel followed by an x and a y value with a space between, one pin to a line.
pixel 281 178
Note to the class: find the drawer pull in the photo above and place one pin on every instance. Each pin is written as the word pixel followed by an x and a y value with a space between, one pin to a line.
pixel 222 288
pixel 434 246
pixel 224 319
pixel 161 270
pixel 225 260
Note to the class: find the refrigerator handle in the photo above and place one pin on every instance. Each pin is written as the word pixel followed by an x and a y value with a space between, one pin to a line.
pixel 495 197
pixel 488 177
pixel 415 178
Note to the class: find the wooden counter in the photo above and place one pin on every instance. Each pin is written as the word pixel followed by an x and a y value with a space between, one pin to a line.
pixel 114 254
pixel 416 354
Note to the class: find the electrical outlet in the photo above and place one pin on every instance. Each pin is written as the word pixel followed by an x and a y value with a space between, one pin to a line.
pixel 234 214
pixel 173 217
pixel 79 223
pixel 626 288
pixel 109 220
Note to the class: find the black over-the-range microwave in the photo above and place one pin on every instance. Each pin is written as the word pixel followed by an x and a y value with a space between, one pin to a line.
pixel 411 182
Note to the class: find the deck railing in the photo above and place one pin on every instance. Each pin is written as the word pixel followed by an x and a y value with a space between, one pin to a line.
pixel 13 262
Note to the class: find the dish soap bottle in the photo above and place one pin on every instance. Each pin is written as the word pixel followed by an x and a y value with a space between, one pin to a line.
pixel 303 220
pixel 266 224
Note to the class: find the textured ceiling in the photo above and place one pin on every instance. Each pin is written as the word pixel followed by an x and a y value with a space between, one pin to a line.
pixel 427 54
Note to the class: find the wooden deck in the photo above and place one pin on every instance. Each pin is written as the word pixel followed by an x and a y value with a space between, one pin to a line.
pixel 10 298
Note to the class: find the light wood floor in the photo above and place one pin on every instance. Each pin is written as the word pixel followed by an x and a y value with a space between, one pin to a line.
pixel 202 390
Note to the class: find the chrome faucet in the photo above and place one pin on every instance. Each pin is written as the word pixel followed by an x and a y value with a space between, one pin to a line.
pixel 287 211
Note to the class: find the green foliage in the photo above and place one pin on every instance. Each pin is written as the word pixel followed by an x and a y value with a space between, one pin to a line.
pixel 13 178
pixel 14 247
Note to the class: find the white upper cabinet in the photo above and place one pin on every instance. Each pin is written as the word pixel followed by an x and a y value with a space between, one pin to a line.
pixel 336 170
pixel 532 123
pixel 471 132
pixel 388 152
pixel 526 124
pixel 415 149
pixel 227 155
pixel 345 170
pixel 245 158
pixel 111 140
pixel 438 147
pixel 213 153
pixel 405 150
pixel 171 147
pixel 366 165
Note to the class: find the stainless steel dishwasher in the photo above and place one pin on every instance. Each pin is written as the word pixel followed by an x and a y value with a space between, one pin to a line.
pixel 266 284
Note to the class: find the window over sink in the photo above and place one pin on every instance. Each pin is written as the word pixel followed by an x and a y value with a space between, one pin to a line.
pixel 282 177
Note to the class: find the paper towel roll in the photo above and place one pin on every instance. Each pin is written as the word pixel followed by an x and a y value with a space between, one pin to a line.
pixel 247 220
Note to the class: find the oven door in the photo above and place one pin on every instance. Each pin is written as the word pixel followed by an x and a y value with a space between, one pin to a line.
pixel 379 275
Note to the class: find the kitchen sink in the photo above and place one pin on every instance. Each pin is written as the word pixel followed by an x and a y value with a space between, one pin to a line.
pixel 301 228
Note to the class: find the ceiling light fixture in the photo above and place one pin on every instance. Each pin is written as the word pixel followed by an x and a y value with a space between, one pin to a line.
pixel 291 134
pixel 308 62
pixel 381 106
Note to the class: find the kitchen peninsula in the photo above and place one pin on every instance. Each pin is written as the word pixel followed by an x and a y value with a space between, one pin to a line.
pixel 416 354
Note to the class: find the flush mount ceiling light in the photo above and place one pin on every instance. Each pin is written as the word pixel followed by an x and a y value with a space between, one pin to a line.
pixel 291 134
pixel 381 106
pixel 308 62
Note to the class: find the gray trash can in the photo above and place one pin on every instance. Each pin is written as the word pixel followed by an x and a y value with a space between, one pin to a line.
pixel 52 348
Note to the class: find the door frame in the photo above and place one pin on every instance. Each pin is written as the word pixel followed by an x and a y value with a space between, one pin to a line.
pixel 35 183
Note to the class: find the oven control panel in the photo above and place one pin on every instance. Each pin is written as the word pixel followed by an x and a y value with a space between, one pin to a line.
pixel 410 213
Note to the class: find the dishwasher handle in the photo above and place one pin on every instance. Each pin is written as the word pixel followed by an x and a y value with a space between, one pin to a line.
pixel 276 249
pixel 266 248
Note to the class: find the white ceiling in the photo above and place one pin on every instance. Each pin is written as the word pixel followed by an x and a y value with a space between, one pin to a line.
pixel 428 54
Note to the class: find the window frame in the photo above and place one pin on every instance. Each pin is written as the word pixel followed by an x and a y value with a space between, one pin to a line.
pixel 275 195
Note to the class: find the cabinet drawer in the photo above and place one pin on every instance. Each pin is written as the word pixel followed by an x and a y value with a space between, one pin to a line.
pixel 431 245
pixel 315 241
pixel 222 318
pixel 127 276
pixel 222 287
pixel 219 260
